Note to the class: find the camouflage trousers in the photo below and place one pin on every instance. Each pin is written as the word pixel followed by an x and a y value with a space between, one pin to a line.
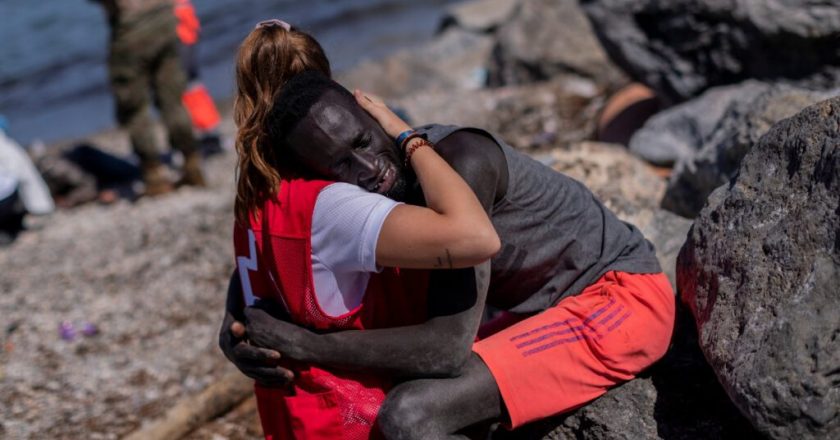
pixel 144 67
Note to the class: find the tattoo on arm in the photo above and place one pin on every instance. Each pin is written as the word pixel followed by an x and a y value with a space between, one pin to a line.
pixel 439 262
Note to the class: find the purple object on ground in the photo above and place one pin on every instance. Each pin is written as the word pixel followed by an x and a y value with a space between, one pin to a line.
pixel 67 331
pixel 90 329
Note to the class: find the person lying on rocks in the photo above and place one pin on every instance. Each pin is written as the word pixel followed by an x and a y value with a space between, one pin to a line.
pixel 588 306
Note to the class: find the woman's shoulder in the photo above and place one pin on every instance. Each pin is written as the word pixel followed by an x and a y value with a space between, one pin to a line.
pixel 338 199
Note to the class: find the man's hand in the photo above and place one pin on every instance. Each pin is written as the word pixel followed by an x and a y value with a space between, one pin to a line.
pixel 260 364
pixel 264 330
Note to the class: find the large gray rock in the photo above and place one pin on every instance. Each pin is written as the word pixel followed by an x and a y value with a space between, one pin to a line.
pixel 679 132
pixel 547 37
pixel 741 121
pixel 682 47
pixel 760 274
pixel 624 183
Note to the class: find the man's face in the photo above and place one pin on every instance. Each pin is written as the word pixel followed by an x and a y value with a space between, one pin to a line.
pixel 338 140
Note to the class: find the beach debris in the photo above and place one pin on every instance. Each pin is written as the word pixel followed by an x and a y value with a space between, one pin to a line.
pixel 67 331
pixel 90 329
pixel 191 411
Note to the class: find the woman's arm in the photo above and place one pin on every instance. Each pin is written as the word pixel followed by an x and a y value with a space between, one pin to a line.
pixel 438 347
pixel 452 231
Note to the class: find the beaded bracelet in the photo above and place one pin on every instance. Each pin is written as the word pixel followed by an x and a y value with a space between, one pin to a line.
pixel 409 138
pixel 413 147
pixel 402 136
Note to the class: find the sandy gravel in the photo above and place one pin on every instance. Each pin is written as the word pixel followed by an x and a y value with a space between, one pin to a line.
pixel 151 275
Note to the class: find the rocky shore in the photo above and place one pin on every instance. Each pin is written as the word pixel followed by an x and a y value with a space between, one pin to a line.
pixel 737 173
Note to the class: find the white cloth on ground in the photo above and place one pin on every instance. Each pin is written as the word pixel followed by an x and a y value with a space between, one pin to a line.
pixel 32 188
pixel 8 184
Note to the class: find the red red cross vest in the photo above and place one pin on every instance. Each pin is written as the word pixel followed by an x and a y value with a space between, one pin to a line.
pixel 273 256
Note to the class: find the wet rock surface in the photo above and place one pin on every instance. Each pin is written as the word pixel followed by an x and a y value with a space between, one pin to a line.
pixel 738 116
pixel 759 272
pixel 545 38
pixel 682 47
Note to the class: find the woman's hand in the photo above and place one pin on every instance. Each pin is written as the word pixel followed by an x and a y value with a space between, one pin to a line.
pixel 390 122
pixel 452 231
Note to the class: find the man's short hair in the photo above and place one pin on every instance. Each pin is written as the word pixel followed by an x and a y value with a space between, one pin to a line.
pixel 294 101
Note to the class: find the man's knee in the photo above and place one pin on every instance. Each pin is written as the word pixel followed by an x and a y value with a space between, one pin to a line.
pixel 405 414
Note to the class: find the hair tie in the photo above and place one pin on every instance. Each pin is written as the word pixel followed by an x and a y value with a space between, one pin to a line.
pixel 273 22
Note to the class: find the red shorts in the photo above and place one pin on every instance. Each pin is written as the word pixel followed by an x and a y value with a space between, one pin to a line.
pixel 572 353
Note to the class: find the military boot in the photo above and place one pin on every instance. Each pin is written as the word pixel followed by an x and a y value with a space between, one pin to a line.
pixel 192 176
pixel 156 180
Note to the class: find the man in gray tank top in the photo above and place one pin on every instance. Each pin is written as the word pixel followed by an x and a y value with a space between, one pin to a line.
pixel 587 305
pixel 557 238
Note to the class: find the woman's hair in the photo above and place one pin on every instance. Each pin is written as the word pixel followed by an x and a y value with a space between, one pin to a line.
pixel 268 57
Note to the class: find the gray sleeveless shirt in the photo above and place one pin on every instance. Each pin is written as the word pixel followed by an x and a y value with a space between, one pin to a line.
pixel 557 238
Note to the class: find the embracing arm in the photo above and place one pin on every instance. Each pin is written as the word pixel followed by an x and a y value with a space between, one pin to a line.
pixel 438 347
pixel 451 231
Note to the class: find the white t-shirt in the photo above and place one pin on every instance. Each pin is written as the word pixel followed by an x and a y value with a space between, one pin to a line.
pixel 345 228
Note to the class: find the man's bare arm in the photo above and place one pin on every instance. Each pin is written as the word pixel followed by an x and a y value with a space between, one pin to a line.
pixel 438 347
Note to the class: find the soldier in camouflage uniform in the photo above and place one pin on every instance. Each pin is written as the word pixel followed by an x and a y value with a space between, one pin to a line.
pixel 144 55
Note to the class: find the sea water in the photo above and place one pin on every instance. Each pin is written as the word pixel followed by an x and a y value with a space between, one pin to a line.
pixel 53 74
